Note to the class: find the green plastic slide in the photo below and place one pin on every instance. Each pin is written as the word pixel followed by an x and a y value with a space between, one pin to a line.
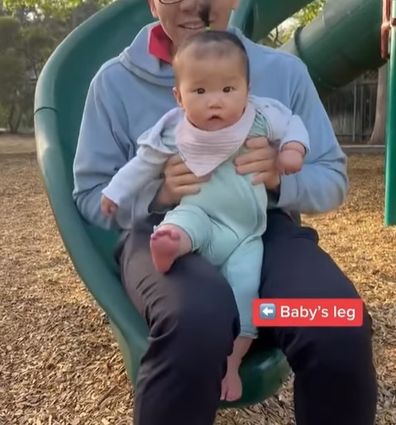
pixel 59 102
pixel 390 165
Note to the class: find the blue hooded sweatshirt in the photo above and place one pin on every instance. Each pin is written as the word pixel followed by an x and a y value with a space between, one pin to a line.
pixel 131 92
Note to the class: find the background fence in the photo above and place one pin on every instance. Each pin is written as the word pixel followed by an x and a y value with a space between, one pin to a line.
pixel 352 110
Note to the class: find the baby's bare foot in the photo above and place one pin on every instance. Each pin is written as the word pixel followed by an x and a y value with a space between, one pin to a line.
pixel 231 386
pixel 164 244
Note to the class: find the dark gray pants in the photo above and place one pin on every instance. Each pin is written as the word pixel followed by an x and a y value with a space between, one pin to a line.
pixel 193 319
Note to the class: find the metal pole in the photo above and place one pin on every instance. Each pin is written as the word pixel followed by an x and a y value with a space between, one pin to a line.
pixel 354 111
pixel 361 115
pixel 390 162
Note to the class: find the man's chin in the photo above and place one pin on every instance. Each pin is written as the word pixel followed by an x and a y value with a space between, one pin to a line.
pixel 186 33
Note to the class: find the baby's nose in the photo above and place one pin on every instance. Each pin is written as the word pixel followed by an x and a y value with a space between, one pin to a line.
pixel 215 102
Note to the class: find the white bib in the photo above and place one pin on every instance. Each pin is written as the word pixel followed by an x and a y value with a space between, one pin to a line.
pixel 203 151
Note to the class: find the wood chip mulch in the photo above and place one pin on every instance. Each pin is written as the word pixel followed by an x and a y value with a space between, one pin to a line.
pixel 59 364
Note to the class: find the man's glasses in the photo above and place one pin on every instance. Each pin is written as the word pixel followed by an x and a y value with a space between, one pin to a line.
pixel 170 1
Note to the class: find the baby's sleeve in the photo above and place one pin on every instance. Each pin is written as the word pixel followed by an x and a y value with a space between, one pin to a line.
pixel 146 166
pixel 128 184
pixel 295 131
pixel 283 125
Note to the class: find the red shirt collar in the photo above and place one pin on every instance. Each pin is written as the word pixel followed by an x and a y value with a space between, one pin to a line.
pixel 159 44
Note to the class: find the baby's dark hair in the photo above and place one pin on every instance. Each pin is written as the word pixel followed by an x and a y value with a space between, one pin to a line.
pixel 212 42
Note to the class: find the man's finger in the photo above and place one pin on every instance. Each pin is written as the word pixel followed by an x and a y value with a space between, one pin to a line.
pixel 178 169
pixel 270 180
pixel 174 159
pixel 259 178
pixel 255 167
pixel 203 179
pixel 257 143
pixel 190 189
pixel 183 180
pixel 186 179
pixel 252 156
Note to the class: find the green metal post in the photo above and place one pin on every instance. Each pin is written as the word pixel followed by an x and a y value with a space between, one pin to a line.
pixel 390 164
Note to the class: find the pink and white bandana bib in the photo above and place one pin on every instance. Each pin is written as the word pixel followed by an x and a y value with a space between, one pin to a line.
pixel 203 151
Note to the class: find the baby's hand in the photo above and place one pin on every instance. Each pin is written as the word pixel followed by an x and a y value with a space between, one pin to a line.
pixel 108 207
pixel 291 158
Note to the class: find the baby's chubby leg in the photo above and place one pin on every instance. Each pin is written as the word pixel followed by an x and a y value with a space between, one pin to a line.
pixel 184 229
pixel 168 243
pixel 242 270
pixel 231 387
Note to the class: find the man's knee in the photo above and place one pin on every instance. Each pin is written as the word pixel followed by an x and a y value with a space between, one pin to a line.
pixel 202 327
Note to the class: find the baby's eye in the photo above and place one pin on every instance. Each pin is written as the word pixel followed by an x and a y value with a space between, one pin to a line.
pixel 200 90
pixel 227 89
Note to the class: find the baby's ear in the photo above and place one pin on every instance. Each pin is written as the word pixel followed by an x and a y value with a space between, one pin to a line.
pixel 177 95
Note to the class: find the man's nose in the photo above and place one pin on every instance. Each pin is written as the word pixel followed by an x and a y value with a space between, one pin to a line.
pixel 191 5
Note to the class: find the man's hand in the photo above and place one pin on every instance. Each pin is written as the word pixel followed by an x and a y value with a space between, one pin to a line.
pixel 179 181
pixel 261 160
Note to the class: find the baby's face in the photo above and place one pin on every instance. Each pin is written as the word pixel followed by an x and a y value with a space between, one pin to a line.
pixel 212 91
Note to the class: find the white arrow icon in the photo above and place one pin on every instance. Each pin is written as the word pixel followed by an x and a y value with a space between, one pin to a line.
pixel 267 311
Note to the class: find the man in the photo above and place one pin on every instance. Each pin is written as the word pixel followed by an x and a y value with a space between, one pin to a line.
pixel 190 311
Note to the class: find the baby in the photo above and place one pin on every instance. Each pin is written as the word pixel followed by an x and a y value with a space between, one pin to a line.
pixel 225 221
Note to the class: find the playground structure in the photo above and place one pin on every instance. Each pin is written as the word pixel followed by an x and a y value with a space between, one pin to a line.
pixel 59 101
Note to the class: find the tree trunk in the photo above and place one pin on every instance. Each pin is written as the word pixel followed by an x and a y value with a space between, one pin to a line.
pixel 378 134
pixel 14 119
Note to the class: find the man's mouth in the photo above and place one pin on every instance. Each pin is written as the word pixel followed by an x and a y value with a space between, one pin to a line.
pixel 192 25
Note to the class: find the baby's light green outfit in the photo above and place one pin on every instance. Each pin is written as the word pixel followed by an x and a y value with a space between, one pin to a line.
pixel 227 218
